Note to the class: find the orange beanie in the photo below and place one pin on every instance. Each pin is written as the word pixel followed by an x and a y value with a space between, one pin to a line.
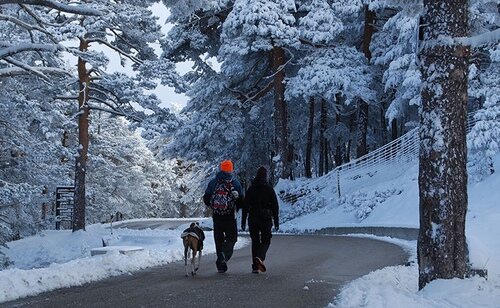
pixel 226 166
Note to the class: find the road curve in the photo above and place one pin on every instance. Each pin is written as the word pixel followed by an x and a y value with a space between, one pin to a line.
pixel 303 271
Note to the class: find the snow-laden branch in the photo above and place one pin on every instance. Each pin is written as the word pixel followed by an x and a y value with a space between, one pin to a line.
pixel 75 9
pixel 42 22
pixel 26 67
pixel 18 71
pixel 482 39
pixel 118 50
pixel 12 50
pixel 490 37
pixel 118 113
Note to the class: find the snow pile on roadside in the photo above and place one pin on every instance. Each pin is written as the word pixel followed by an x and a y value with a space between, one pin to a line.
pixel 57 259
pixel 397 286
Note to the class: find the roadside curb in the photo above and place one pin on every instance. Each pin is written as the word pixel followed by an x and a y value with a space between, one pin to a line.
pixel 410 234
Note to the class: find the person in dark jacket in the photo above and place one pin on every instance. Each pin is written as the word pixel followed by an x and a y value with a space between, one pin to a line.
pixel 224 196
pixel 261 207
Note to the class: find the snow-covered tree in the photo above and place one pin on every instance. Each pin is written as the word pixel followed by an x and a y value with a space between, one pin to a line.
pixel 484 77
pixel 394 48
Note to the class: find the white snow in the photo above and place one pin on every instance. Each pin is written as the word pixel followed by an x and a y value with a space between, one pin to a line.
pixel 398 286
pixel 57 259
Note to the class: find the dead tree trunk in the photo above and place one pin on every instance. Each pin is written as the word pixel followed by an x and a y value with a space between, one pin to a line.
pixel 442 250
pixel 83 140
pixel 283 148
pixel 310 129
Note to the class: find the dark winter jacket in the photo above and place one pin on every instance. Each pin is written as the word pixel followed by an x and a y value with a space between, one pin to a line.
pixel 225 176
pixel 261 202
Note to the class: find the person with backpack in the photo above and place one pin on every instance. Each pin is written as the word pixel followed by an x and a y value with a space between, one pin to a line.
pixel 224 196
pixel 261 207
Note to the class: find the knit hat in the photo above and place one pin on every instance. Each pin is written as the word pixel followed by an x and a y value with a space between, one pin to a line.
pixel 226 166
pixel 262 173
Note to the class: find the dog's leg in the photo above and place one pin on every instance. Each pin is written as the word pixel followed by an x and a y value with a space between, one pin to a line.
pixel 186 247
pixel 199 260
pixel 193 271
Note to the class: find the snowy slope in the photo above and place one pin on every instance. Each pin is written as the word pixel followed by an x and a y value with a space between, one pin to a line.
pixel 394 203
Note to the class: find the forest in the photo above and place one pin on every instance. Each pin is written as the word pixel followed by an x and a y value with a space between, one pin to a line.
pixel 299 86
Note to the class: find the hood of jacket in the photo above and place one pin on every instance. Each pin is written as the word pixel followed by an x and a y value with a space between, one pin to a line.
pixel 226 176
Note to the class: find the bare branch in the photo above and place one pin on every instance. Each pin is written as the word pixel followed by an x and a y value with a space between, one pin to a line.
pixel 75 9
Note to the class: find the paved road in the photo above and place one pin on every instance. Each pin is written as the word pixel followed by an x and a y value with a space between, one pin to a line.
pixel 322 263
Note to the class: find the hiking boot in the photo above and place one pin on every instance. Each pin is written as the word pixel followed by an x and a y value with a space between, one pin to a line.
pixel 260 264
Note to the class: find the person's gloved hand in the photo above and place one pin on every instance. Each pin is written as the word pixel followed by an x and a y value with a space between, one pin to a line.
pixel 235 194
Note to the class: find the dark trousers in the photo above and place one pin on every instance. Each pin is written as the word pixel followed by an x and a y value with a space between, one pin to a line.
pixel 260 232
pixel 225 236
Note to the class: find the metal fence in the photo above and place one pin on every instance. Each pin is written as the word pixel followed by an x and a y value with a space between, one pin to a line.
pixel 383 164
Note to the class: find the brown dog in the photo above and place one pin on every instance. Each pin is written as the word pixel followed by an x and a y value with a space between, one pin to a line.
pixel 192 238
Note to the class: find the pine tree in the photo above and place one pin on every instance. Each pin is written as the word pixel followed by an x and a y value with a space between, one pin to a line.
pixel 442 250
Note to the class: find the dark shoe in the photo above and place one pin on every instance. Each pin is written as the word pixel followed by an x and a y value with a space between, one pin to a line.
pixel 221 266
pixel 255 270
pixel 260 264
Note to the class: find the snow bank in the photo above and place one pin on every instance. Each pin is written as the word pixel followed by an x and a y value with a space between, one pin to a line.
pixel 397 286
pixel 58 259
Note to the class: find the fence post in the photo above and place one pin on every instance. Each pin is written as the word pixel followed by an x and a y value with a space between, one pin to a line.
pixel 338 182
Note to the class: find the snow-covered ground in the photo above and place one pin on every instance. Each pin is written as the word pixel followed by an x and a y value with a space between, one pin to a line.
pixel 57 259
pixel 395 204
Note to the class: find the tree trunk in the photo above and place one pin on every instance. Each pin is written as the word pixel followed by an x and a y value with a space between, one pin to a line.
pixel 83 139
pixel 362 129
pixel 309 139
pixel 394 129
pixel 442 251
pixel 281 114
pixel 322 139
pixel 352 131
pixel 327 156
pixel 368 31
pixel 338 149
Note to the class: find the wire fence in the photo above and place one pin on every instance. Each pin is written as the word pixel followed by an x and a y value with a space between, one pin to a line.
pixel 383 164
